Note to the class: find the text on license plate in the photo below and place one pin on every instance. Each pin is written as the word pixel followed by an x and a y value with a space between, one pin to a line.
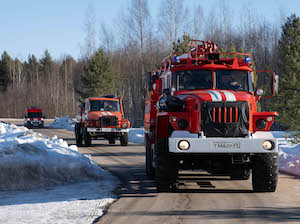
pixel 225 145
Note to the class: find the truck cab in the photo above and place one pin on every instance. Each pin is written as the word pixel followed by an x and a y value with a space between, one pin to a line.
pixel 101 117
pixel 34 118
pixel 201 113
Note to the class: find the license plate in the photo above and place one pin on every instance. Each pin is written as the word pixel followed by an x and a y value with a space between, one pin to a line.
pixel 225 145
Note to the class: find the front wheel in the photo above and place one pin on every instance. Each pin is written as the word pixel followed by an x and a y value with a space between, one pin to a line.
pixel 166 170
pixel 87 138
pixel 150 171
pixel 124 139
pixel 265 172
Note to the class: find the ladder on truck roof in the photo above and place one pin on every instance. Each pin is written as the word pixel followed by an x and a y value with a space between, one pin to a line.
pixel 204 52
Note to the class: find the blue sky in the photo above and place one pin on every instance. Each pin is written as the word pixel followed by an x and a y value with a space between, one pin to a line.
pixel 30 27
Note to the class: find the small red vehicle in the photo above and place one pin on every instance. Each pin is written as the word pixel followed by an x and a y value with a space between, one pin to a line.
pixel 101 117
pixel 201 114
pixel 34 118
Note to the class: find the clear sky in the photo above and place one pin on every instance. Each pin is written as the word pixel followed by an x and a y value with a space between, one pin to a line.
pixel 31 26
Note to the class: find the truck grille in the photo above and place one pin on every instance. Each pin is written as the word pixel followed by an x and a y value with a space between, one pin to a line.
pixel 225 119
pixel 108 121
pixel 224 114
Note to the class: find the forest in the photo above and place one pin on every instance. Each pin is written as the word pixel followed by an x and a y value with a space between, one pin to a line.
pixel 117 60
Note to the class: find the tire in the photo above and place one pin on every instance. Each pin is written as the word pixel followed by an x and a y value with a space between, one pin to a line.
pixel 87 138
pixel 112 141
pixel 166 170
pixel 240 174
pixel 124 139
pixel 265 172
pixel 150 171
pixel 78 134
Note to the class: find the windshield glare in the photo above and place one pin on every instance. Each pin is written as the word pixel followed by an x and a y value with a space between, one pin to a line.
pixel 104 105
pixel 232 80
pixel 192 80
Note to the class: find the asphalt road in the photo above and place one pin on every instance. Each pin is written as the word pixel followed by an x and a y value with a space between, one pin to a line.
pixel 201 198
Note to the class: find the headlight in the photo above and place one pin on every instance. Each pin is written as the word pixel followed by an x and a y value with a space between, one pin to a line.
pixel 183 124
pixel 183 145
pixel 261 124
pixel 28 119
pixel 90 124
pixel 125 125
pixel 268 145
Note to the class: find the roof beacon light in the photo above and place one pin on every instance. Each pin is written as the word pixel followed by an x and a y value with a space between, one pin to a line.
pixel 176 59
pixel 247 60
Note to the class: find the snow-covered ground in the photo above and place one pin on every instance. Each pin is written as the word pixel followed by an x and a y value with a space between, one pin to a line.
pixel 289 154
pixel 135 135
pixel 44 180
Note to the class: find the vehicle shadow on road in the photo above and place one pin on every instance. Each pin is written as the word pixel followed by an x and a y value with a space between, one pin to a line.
pixel 249 214
pixel 137 184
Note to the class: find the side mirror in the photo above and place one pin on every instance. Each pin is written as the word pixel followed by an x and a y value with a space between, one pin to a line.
pixel 268 81
pixel 276 84
pixel 26 117
pixel 149 81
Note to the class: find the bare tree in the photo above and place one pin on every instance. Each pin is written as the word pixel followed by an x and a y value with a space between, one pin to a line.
pixel 173 17
pixel 89 46
pixel 198 22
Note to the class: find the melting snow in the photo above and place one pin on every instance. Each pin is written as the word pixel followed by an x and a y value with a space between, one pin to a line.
pixel 44 180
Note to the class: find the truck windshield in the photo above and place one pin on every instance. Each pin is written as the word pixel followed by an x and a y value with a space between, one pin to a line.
pixel 192 80
pixel 35 115
pixel 104 105
pixel 233 80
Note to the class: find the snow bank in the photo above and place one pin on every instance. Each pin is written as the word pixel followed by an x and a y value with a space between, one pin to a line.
pixel 136 135
pixel 28 160
pixel 64 122
pixel 289 154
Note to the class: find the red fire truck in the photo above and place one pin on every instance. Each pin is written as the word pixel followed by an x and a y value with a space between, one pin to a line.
pixel 34 117
pixel 201 114
pixel 101 117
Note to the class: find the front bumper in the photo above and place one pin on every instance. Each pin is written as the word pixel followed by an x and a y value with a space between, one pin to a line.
pixel 250 144
pixel 107 130
pixel 35 123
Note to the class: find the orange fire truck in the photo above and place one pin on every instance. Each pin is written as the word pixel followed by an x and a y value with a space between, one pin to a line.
pixel 201 113
pixel 34 117
pixel 101 117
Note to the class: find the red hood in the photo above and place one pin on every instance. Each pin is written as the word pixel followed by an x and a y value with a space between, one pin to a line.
pixel 95 115
pixel 218 95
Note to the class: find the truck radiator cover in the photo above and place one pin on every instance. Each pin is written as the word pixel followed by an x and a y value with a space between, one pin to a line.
pixel 108 121
pixel 225 119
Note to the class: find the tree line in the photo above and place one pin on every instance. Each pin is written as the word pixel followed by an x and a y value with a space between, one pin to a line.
pixel 118 61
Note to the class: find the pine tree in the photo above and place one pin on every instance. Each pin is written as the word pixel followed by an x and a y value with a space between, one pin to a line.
pixel 4 71
pixel 288 100
pixel 182 47
pixel 99 77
